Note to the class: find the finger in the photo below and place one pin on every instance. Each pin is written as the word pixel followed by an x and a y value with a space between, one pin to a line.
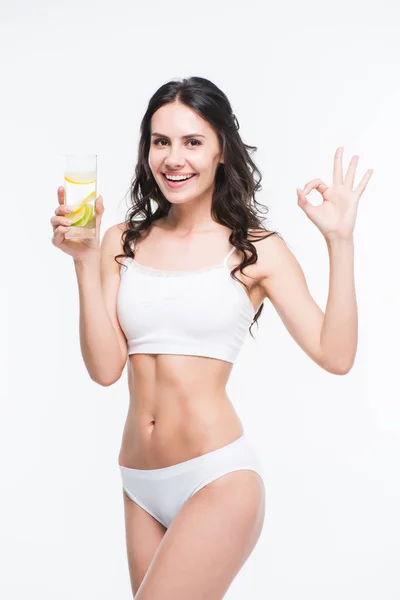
pixel 63 209
pixel 99 205
pixel 317 184
pixel 351 172
pixel 59 235
pixel 55 221
pixel 301 198
pixel 61 195
pixel 363 183
pixel 337 166
pixel 99 213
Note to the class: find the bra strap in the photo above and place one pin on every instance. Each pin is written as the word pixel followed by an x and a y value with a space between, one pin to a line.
pixel 231 251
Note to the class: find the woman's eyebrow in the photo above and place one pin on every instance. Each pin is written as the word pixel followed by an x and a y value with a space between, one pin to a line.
pixel 184 137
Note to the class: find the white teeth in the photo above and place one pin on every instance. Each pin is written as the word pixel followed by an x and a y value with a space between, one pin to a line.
pixel 178 177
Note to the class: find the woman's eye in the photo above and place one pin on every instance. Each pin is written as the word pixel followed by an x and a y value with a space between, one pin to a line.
pixel 164 140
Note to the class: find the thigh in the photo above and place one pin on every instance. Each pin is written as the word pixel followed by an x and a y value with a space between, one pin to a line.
pixel 143 536
pixel 208 541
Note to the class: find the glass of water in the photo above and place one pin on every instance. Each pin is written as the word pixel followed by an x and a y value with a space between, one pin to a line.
pixel 80 189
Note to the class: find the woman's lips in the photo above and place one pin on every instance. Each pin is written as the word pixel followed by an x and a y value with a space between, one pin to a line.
pixel 178 184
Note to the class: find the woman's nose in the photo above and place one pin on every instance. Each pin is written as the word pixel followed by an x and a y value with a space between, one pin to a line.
pixel 174 160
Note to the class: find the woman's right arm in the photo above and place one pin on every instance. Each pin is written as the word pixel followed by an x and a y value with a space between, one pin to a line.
pixel 103 344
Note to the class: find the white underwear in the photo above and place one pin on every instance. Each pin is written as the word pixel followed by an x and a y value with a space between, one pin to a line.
pixel 162 492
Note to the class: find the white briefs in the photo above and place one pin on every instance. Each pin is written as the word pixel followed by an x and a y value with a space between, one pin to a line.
pixel 162 492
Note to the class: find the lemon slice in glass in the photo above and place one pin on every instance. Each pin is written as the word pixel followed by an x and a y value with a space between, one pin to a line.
pixel 87 216
pixel 76 216
pixel 79 210
pixel 78 182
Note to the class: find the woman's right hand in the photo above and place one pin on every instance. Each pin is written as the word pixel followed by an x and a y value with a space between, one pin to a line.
pixel 79 249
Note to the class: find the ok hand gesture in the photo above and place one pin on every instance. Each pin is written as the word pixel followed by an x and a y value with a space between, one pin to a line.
pixel 336 216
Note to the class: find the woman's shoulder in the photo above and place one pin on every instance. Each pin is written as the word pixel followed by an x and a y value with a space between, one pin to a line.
pixel 113 237
pixel 269 245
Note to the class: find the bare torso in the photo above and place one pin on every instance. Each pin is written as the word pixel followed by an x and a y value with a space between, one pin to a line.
pixel 178 405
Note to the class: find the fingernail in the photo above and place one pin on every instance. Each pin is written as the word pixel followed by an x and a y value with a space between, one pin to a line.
pixel 68 209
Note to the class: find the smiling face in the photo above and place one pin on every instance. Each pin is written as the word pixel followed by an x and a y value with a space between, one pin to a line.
pixel 176 150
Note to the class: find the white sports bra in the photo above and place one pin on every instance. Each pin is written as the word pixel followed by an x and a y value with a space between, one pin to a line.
pixel 201 312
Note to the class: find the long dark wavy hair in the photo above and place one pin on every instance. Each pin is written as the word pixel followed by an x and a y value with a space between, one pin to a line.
pixel 236 181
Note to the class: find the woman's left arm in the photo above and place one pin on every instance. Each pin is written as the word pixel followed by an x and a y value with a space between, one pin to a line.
pixel 339 331
pixel 329 338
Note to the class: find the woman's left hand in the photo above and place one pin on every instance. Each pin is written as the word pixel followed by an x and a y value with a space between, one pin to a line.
pixel 336 216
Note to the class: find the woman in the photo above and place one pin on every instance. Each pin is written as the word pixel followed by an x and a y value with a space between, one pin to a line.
pixel 197 266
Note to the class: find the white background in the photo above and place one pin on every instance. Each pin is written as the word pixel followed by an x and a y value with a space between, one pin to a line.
pixel 303 79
